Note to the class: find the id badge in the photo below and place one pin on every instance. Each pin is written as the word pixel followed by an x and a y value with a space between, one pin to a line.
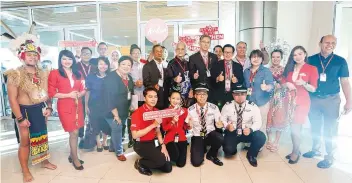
pixel 160 82
pixel 227 85
pixel 43 110
pixel 239 132
pixel 208 73
pixel 129 96
pixel 249 91
pixel 202 134
pixel 176 139
pixel 156 142
pixel 323 77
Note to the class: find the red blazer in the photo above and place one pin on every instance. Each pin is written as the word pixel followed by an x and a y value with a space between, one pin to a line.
pixel 179 128
pixel 309 74
pixel 66 107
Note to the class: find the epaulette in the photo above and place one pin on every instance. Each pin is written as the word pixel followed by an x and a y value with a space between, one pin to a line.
pixel 252 103
pixel 213 106
pixel 192 107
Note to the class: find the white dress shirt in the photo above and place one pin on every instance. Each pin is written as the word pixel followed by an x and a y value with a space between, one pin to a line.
pixel 251 115
pixel 212 115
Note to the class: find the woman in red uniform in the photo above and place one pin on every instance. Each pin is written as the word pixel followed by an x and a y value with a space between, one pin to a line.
pixel 175 129
pixel 149 142
pixel 67 84
pixel 301 78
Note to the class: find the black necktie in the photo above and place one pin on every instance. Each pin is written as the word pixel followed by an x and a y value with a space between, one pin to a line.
pixel 239 117
pixel 202 120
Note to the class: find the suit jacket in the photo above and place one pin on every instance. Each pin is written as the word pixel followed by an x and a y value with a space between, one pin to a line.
pixel 196 63
pixel 219 87
pixel 151 74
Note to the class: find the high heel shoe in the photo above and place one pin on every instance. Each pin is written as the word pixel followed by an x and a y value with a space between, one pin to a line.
pixel 295 161
pixel 77 167
pixel 70 160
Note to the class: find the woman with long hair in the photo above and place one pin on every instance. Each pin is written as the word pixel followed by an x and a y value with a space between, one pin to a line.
pixel 67 84
pixel 277 118
pixel 301 78
pixel 117 93
pixel 94 104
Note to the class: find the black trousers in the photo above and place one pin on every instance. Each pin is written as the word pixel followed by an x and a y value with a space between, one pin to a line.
pixel 198 147
pixel 151 156
pixel 178 152
pixel 231 140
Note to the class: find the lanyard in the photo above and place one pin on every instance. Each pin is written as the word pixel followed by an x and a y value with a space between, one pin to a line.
pixel 161 72
pixel 183 68
pixel 251 77
pixel 205 62
pixel 244 62
pixel 84 70
pixel 321 62
pixel 199 114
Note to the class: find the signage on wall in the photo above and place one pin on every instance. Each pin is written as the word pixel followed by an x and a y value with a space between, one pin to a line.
pixel 190 41
pixel 156 30
pixel 92 43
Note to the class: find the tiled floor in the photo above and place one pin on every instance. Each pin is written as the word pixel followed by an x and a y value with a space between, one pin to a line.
pixel 273 168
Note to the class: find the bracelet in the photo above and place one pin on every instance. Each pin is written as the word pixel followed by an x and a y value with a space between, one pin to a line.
pixel 20 120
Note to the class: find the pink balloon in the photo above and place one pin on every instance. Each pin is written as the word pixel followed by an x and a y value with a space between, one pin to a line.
pixel 156 30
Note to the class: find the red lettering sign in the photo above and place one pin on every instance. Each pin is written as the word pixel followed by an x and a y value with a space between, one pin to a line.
pixel 166 113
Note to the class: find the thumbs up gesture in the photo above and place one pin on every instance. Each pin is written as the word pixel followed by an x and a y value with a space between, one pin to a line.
pixel 263 86
pixel 219 124
pixel 178 78
pixel 196 75
pixel 221 77
pixel 234 79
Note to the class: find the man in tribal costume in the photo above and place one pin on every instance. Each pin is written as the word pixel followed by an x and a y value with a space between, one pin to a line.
pixel 27 90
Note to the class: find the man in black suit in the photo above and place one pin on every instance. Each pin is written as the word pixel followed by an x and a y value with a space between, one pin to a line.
pixel 225 75
pixel 154 75
pixel 201 63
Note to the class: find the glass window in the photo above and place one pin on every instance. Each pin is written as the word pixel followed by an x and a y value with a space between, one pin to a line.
pixel 172 10
pixel 17 21
pixel 65 15
pixel 119 24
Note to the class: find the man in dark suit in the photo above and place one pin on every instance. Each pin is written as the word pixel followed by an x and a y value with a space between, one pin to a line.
pixel 201 63
pixel 225 75
pixel 154 75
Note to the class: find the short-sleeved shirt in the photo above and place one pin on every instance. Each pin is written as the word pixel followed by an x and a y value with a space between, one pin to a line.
pixel 212 115
pixel 258 96
pixel 137 123
pixel 336 69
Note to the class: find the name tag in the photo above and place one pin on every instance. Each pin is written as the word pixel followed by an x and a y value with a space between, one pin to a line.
pixel 160 82
pixel 323 77
pixel 156 142
pixel 176 139
pixel 208 73
pixel 249 91
pixel 227 85
pixel 129 96
pixel 239 132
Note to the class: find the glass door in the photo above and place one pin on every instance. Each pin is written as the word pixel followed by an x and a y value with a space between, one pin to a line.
pixel 88 33
pixel 147 46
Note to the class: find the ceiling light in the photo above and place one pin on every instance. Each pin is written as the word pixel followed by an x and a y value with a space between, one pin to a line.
pixel 127 36
pixel 92 21
pixel 194 15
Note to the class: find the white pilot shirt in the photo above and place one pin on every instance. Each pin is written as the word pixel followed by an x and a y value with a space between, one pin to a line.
pixel 212 115
pixel 251 115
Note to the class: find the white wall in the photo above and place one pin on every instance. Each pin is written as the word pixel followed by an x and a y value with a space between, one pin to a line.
pixel 303 23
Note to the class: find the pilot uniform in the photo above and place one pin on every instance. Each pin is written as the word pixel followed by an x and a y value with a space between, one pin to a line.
pixel 241 116
pixel 207 135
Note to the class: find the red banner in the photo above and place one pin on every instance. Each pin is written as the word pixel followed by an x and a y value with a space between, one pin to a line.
pixel 166 113
pixel 92 43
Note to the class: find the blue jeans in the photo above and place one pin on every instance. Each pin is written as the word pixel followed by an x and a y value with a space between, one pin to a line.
pixel 116 134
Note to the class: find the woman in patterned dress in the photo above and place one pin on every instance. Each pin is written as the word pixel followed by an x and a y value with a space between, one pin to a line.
pixel 277 116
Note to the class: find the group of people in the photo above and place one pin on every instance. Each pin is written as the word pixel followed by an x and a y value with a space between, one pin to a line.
pixel 222 99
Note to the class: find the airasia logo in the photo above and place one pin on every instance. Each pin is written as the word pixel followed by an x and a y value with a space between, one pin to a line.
pixel 156 30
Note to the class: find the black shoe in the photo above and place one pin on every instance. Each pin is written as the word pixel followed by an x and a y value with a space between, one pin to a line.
pixel 252 160
pixel 215 160
pixel 142 170
pixel 100 149
pixel 289 155
pixel 106 148
pixel 70 160
pixel 111 150
pixel 311 154
pixel 130 144
pixel 326 163
pixel 295 161
pixel 77 167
